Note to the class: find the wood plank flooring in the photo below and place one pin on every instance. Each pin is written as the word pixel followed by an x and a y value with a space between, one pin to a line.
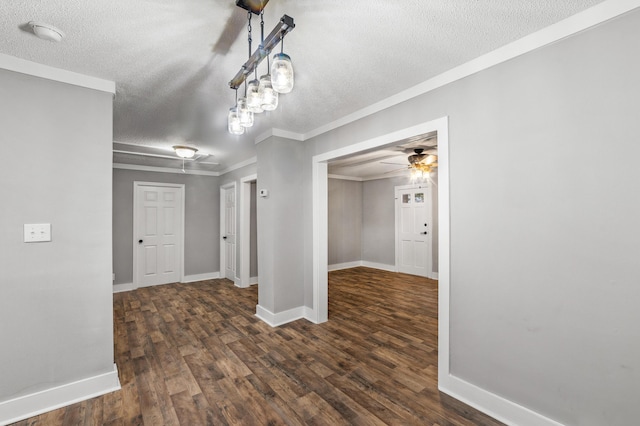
pixel 195 354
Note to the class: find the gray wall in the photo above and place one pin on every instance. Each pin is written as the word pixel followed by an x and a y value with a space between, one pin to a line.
pixel 56 303
pixel 202 221
pixel 281 237
pixel 345 221
pixel 543 222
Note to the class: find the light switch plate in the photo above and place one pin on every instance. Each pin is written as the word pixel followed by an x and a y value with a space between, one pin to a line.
pixel 37 232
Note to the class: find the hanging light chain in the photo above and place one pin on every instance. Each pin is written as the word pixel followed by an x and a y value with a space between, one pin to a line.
pixel 249 27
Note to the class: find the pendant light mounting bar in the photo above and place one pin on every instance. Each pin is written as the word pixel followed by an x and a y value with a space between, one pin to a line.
pixel 253 6
pixel 277 34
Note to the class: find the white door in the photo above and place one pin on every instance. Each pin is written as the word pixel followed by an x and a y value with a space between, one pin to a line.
pixel 158 234
pixel 413 237
pixel 228 232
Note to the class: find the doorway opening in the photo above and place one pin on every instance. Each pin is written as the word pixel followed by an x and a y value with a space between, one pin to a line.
pixel 248 271
pixel 319 312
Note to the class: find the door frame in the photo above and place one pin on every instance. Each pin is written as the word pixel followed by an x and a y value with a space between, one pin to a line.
pixel 428 196
pixel 245 230
pixel 320 212
pixel 134 242
pixel 223 214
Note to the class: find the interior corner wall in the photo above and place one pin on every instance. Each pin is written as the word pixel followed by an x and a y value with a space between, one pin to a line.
pixel 543 222
pixel 345 221
pixel 202 221
pixel 280 219
pixel 56 307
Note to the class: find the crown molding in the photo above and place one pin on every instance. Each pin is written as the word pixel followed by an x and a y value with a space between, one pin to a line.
pixel 11 63
pixel 163 170
pixel 581 21
pixel 239 165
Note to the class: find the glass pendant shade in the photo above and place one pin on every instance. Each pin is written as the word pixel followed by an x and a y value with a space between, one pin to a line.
pixel 268 95
pixel 235 128
pixel 254 100
pixel 245 116
pixel 282 73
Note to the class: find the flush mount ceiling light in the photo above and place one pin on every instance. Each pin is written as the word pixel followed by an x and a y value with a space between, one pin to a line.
pixel 184 151
pixel 46 31
pixel 261 94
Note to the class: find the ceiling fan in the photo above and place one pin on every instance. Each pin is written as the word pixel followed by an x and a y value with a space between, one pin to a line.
pixel 421 163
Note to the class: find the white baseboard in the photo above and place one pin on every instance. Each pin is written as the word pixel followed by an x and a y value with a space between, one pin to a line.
pixel 495 406
pixel 119 288
pixel 346 265
pixel 434 276
pixel 381 266
pixel 40 402
pixel 280 318
pixel 253 280
pixel 201 277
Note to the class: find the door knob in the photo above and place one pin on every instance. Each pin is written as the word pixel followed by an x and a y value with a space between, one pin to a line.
pixel 424 233
pixel 140 241
pixel 224 238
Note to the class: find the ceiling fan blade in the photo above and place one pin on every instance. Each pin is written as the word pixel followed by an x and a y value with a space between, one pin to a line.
pixel 395 164
pixel 394 171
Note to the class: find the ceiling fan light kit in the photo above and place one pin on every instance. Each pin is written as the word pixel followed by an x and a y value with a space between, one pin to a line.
pixel 261 94
pixel 184 151
pixel 46 31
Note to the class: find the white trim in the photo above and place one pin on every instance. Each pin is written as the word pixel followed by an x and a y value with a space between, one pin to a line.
pixel 345 265
pixel 279 133
pixel 11 63
pixel 119 288
pixel 381 266
pixel 399 173
pixel 163 169
pixel 200 277
pixel 280 318
pixel 253 280
pixel 494 405
pixel 245 229
pixel 239 165
pixel 343 177
pixel 40 402
pixel 574 24
pixel 134 241
pixel 434 276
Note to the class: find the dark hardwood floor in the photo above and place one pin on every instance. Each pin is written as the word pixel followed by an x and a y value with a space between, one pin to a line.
pixel 195 354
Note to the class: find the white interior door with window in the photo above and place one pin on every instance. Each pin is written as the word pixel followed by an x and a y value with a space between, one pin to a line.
pixel 228 231
pixel 413 230
pixel 158 231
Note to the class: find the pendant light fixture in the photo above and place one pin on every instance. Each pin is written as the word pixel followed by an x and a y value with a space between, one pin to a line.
pixel 233 119
pixel 269 96
pixel 261 94
pixel 282 72
pixel 244 114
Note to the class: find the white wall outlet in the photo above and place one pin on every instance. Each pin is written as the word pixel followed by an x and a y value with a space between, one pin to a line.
pixel 37 232
pixel 264 193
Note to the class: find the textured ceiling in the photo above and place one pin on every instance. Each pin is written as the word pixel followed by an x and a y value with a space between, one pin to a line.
pixel 172 60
